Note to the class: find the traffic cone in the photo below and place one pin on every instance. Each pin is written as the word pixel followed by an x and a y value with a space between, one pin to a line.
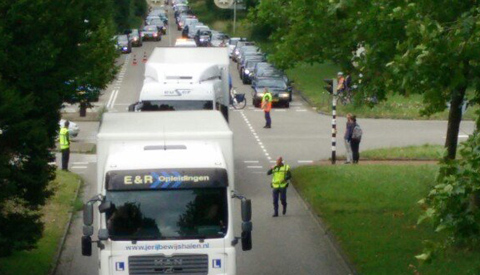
pixel 144 60
pixel 134 60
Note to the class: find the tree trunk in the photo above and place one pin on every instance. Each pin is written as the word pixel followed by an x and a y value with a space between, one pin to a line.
pixel 83 109
pixel 454 119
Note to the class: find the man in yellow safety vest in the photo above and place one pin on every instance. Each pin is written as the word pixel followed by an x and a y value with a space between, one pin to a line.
pixel 280 180
pixel 267 107
pixel 65 145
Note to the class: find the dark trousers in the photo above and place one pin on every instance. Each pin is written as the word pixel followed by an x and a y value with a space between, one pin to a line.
pixel 268 119
pixel 65 158
pixel 282 193
pixel 355 150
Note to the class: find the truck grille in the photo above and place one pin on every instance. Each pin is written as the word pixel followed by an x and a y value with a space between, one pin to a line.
pixel 176 264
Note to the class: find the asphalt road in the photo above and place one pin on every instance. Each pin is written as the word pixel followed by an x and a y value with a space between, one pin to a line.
pixel 291 244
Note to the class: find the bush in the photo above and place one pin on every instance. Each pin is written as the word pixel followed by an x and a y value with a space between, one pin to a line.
pixel 454 203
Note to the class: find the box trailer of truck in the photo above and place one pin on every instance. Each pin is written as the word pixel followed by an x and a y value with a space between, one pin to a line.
pixel 179 97
pixel 166 195
pixel 187 66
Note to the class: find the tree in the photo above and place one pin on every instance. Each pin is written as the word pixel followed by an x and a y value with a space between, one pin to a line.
pixel 427 47
pixel 41 53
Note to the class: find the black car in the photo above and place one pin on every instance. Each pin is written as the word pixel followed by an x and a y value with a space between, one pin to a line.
pixel 277 86
pixel 247 72
pixel 151 32
pixel 159 23
pixel 136 38
pixel 247 57
pixel 203 38
pixel 124 44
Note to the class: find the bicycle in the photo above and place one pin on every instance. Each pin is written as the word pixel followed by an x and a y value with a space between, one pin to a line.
pixel 238 101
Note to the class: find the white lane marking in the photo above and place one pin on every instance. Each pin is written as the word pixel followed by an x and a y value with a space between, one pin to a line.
pixel 255 135
pixel 251 161
pixel 80 163
pixel 78 167
pixel 295 104
pixel 305 161
pixel 256 110
pixel 255 167
pixel 282 110
pixel 111 98
pixel 301 110
pixel 114 99
pixel 460 136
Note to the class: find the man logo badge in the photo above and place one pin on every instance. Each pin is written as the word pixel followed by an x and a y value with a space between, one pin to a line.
pixel 216 263
pixel 120 266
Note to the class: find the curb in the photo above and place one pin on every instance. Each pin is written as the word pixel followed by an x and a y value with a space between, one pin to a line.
pixel 330 237
pixel 64 237
pixel 306 99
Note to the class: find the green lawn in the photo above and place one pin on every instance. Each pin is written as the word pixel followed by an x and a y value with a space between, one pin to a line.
pixel 309 80
pixel 372 211
pixel 56 213
pixel 424 152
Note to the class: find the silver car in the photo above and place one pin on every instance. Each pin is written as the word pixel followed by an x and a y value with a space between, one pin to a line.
pixel 72 128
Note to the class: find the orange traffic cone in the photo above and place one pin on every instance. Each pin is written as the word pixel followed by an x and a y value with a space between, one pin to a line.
pixel 134 60
pixel 144 60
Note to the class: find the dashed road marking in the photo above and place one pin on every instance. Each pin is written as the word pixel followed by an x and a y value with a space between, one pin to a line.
pixel 301 110
pixel 250 161
pixel 80 163
pixel 255 167
pixel 78 167
pixel 305 161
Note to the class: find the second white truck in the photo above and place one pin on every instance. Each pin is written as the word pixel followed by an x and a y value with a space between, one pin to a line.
pixel 177 74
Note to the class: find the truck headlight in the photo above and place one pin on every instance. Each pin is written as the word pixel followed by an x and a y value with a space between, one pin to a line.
pixel 247 71
pixel 259 94
pixel 284 95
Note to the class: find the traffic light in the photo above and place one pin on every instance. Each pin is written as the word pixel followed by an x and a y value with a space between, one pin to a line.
pixel 329 86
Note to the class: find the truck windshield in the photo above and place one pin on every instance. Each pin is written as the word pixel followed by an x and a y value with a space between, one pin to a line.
pixel 168 214
pixel 177 105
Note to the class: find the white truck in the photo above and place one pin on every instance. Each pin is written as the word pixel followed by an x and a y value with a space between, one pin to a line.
pixel 170 71
pixel 165 192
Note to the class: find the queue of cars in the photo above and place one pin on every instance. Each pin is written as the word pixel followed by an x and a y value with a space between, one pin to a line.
pixel 193 29
pixel 155 26
pixel 254 69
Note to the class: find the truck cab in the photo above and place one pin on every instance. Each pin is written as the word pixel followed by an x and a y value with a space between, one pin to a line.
pixel 166 195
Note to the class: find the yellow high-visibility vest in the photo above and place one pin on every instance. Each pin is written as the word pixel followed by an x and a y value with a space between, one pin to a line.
pixel 279 174
pixel 64 138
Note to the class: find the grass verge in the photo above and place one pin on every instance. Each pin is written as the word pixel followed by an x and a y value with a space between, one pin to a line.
pixel 56 214
pixel 372 211
pixel 423 152
pixel 309 80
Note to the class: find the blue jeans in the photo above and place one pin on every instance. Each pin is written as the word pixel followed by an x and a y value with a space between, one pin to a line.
pixel 268 119
pixel 282 193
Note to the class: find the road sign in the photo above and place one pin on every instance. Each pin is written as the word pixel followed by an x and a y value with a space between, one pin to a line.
pixel 224 4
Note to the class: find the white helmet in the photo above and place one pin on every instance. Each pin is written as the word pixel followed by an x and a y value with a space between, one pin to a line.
pixel 339 74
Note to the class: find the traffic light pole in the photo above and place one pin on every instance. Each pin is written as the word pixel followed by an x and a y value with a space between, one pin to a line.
pixel 334 122
pixel 331 88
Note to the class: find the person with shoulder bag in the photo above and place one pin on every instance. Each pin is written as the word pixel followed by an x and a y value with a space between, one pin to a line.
pixel 356 139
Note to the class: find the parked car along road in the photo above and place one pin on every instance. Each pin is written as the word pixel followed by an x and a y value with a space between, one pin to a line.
pixel 124 44
pixel 278 88
pixel 136 38
pixel 73 128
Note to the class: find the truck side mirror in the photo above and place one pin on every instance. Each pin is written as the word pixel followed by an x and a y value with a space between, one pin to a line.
pixel 87 246
pixel 88 213
pixel 246 210
pixel 104 206
pixel 246 241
